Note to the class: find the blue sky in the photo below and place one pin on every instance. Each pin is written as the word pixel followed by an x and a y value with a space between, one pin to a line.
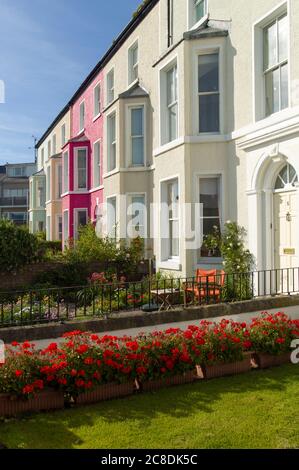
pixel 47 48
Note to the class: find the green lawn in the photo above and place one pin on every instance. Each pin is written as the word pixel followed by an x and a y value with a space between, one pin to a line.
pixel 256 410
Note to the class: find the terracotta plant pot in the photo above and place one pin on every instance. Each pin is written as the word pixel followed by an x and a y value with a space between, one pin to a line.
pixel 43 401
pixel 153 385
pixel 264 360
pixel 222 370
pixel 106 392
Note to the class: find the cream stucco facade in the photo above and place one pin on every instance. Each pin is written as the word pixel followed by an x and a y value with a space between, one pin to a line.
pixel 201 123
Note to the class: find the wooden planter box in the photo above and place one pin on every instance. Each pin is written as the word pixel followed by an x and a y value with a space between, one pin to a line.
pixel 105 392
pixel 43 401
pixel 264 360
pixel 222 370
pixel 153 385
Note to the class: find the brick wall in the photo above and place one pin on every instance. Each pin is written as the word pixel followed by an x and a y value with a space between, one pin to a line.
pixel 26 276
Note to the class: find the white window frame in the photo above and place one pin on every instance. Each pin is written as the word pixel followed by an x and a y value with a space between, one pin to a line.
pixel 49 149
pixel 97 101
pixel 108 212
pixel 76 224
pixel 206 50
pixel 191 20
pixel 110 90
pixel 48 227
pixel 82 116
pixel 48 184
pixel 76 155
pixel 164 108
pixel 58 193
pixel 63 135
pixel 131 66
pixel 130 137
pixel 111 143
pixel 222 205
pixel 170 19
pixel 66 178
pixel 210 93
pixel 54 149
pixel 129 197
pixel 65 230
pixel 259 92
pixel 42 157
pixel 59 216
pixel 97 166
pixel 167 261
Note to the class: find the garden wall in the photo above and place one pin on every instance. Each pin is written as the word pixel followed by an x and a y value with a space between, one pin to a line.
pixel 139 319
pixel 26 276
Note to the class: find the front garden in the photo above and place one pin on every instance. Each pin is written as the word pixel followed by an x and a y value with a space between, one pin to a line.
pixel 87 368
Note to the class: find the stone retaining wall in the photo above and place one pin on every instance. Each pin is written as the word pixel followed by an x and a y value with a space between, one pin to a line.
pixel 138 319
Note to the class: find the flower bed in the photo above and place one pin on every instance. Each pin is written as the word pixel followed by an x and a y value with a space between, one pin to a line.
pixel 87 368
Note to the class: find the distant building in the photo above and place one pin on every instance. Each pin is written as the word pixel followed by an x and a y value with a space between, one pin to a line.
pixel 14 191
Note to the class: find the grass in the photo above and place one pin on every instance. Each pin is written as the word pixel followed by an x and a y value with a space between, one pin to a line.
pixel 256 410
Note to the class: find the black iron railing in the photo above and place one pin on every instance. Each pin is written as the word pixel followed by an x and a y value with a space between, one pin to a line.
pixel 100 300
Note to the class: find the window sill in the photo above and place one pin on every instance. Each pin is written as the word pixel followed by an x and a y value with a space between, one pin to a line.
pixel 209 260
pixel 168 146
pixel 171 265
pixel 199 23
pixel 111 173
pixel 97 117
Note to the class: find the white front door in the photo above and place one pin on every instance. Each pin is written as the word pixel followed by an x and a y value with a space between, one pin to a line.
pixel 286 238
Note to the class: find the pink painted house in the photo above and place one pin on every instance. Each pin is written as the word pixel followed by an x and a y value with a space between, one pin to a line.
pixel 82 161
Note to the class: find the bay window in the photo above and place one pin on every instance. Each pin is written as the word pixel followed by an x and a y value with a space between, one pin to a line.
pixel 136 216
pixel 137 136
pixel 111 131
pixel 111 218
pixel 96 164
pixel 65 172
pixel 81 219
pixel 209 93
pixel 209 189
pixel 81 167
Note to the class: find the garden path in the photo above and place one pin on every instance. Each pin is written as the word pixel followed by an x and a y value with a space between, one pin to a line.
pixel 293 312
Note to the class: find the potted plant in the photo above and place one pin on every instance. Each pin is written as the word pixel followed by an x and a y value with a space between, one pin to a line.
pixel 271 337
pixel 212 243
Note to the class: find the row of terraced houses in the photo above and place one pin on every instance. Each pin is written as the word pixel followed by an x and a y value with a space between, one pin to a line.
pixel 195 103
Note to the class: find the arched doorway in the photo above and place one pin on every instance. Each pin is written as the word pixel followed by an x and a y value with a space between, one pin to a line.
pixel 285 218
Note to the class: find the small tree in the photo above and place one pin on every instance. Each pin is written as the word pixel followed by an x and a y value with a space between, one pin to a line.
pixel 18 247
pixel 238 262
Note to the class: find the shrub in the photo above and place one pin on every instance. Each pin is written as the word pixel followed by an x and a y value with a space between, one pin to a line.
pixel 17 247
